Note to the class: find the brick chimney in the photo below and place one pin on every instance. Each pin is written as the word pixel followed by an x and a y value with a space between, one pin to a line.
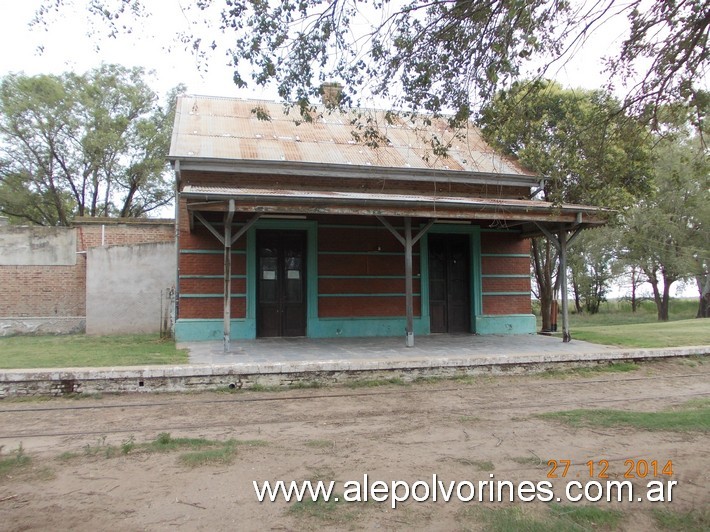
pixel 332 93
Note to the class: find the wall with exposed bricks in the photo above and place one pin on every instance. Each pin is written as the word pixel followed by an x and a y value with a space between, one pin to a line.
pixel 360 264
pixel 505 272
pixel 58 292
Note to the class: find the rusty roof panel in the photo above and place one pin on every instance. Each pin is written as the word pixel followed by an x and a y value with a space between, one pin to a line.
pixel 229 129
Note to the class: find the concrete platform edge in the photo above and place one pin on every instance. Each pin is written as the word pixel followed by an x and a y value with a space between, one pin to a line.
pixel 55 382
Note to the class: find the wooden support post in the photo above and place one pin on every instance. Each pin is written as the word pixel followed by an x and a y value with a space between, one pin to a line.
pixel 228 275
pixel 409 283
pixel 408 242
pixel 562 240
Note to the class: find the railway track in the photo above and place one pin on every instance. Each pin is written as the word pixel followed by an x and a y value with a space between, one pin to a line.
pixel 363 406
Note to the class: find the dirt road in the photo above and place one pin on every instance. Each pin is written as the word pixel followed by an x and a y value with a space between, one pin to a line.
pixel 89 469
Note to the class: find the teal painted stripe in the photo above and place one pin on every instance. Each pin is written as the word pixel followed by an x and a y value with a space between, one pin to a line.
pixel 207 296
pixel 362 276
pixel 211 251
pixel 367 295
pixel 368 253
pixel 526 255
pixel 369 326
pixel 506 324
pixel 506 293
pixel 506 275
pixel 211 277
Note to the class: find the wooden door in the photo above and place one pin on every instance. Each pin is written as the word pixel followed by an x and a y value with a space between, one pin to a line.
pixel 449 278
pixel 281 287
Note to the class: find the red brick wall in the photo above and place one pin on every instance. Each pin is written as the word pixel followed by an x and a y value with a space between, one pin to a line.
pixel 200 264
pixel 374 252
pixel 41 291
pixel 44 291
pixel 360 256
pixel 497 249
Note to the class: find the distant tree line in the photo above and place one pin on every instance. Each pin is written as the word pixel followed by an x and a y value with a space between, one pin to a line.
pixel 92 144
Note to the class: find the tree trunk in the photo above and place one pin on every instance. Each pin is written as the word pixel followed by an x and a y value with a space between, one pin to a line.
pixel 704 293
pixel 542 265
pixel 634 303
pixel 663 309
pixel 577 297
pixel 656 296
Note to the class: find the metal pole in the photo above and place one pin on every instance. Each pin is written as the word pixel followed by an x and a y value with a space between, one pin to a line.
pixel 563 272
pixel 409 284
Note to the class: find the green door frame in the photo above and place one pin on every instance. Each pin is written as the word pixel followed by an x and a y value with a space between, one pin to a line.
pixel 311 229
pixel 476 284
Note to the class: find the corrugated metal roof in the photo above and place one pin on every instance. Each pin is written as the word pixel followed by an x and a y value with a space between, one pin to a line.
pixel 229 129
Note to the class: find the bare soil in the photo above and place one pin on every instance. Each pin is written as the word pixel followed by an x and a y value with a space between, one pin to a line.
pixel 79 479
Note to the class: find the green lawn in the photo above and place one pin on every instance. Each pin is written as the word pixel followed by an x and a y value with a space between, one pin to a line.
pixel 81 351
pixel 615 324
pixel 656 334
pixel 693 416
pixel 616 312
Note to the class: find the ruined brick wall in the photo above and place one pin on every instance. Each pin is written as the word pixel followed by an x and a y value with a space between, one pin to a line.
pixel 59 290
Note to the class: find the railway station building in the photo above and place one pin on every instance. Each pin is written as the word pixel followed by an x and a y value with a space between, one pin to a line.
pixel 350 224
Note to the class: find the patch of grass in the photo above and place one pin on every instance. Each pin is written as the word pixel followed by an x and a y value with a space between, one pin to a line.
pixel 256 387
pixel 587 517
pixel 527 460
pixel 335 513
pixel 67 455
pixel 222 455
pixel 26 352
pixel 504 520
pixel 307 385
pixel 469 419
pixel 460 379
pixel 657 334
pixel 613 367
pixel 100 447
pixel 164 442
pixel 374 383
pixel 16 461
pixel 555 519
pixel 128 445
pixel 693 416
pixel 320 444
pixel 693 361
pixel 201 451
pixel 483 465
pixel 27 399
pixel 696 520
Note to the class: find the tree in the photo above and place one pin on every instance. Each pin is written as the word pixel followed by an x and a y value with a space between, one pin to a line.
pixel 438 55
pixel 82 145
pixel 589 151
pixel 591 262
pixel 668 234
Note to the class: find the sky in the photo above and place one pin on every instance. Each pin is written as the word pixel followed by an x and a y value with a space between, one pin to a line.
pixel 67 47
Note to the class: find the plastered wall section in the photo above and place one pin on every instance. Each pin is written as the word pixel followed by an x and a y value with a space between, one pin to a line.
pixel 126 287
pixel 43 271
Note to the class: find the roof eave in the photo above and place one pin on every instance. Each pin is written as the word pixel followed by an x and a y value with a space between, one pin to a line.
pixel 576 214
pixel 306 169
